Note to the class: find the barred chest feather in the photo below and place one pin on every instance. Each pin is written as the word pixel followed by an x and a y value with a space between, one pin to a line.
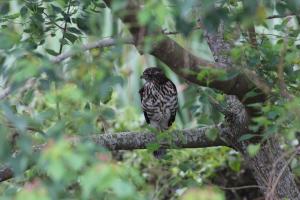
pixel 159 103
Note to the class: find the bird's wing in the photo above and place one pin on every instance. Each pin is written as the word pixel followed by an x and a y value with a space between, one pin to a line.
pixel 141 91
pixel 175 108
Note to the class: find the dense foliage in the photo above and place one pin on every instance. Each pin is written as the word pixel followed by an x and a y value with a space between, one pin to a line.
pixel 96 92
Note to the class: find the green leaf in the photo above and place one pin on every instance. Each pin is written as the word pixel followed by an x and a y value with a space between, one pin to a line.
pixel 122 188
pixel 235 164
pixel 8 39
pixel 71 37
pixel 101 5
pixel 105 93
pixel 108 113
pixel 74 30
pixel 64 41
pixel 253 149
pixel 82 24
pixel 272 114
pixel 251 93
pixel 51 52
pixel 56 9
pixel 152 146
pixel 245 137
pixel 212 133
pixel 203 193
pixel 13 16
pixel 4 8
pixel 23 11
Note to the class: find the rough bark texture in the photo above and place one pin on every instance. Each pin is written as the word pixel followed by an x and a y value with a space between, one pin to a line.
pixel 267 166
pixel 220 49
pixel 188 138
pixel 218 46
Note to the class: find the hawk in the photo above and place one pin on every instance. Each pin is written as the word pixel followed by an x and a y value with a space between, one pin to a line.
pixel 159 101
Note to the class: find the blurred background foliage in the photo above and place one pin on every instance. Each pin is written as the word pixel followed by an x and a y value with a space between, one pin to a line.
pixel 96 92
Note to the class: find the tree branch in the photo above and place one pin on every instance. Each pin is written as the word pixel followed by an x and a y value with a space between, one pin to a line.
pixel 221 51
pixel 107 42
pixel 281 16
pixel 187 138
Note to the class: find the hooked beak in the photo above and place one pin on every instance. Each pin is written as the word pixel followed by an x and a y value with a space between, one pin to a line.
pixel 142 76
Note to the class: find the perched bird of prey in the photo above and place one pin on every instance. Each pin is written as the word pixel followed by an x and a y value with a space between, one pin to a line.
pixel 159 101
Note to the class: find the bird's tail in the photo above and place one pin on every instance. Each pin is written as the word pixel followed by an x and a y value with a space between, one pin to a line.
pixel 160 153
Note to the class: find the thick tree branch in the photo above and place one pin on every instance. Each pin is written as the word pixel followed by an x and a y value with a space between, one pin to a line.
pixel 221 51
pixel 188 138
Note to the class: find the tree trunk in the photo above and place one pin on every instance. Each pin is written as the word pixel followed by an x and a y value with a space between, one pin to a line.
pixel 269 167
pixel 272 172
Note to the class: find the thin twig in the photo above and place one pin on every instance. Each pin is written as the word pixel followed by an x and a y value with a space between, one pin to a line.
pixel 280 16
pixel 279 36
pixel 52 21
pixel 252 35
pixel 241 187
pixel 107 42
pixel 65 28
pixel 166 32
pixel 60 51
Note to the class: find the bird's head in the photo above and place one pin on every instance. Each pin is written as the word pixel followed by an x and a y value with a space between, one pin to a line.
pixel 154 74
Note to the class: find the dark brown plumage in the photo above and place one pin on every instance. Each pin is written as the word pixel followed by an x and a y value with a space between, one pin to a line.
pixel 159 101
